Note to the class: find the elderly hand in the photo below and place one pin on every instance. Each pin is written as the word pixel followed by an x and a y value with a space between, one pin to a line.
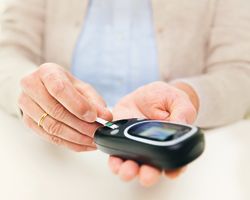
pixel 159 101
pixel 70 104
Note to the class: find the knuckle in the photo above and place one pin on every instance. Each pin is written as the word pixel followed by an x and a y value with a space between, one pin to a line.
pixel 56 140
pixel 46 67
pixel 57 111
pixel 27 81
pixel 49 68
pixel 56 86
pixel 54 78
pixel 83 108
pixel 55 128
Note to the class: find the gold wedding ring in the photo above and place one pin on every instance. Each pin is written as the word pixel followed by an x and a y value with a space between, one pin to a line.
pixel 42 119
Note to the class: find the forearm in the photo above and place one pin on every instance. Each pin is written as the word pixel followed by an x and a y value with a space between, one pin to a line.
pixel 223 95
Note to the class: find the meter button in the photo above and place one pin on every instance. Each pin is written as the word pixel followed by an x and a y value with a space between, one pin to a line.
pixel 114 132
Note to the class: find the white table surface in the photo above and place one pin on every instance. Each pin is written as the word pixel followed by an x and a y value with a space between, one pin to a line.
pixel 30 168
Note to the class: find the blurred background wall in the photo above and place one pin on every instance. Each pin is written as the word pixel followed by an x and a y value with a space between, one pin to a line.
pixel 2 2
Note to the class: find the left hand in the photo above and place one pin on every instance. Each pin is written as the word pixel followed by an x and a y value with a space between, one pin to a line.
pixel 160 101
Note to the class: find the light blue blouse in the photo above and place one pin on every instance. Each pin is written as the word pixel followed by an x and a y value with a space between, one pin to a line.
pixel 116 50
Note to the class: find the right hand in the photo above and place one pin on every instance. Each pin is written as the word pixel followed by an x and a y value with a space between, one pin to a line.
pixel 71 104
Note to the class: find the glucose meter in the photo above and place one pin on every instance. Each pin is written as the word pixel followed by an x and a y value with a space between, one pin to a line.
pixel 162 144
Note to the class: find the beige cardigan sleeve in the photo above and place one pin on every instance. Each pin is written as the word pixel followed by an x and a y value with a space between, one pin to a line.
pixel 21 34
pixel 224 89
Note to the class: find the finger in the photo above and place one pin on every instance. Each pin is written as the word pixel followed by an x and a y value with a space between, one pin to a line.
pixel 60 87
pixel 126 108
pixel 115 164
pixel 88 91
pixel 95 98
pixel 152 107
pixel 155 113
pixel 175 173
pixel 34 88
pixel 54 139
pixel 122 112
pixel 128 170
pixel 183 111
pixel 50 125
pixel 148 175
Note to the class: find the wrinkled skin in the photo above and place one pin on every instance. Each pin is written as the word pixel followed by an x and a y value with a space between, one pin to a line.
pixel 71 104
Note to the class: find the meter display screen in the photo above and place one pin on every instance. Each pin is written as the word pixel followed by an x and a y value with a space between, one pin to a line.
pixel 159 131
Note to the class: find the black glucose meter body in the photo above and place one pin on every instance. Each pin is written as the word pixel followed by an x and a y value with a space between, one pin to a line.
pixel 162 144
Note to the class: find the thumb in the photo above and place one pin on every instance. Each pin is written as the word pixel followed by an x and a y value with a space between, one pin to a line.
pixel 183 113
pixel 156 113
pixel 95 98
pixel 103 112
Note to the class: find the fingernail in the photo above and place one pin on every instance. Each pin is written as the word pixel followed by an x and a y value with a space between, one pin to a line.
pixel 89 116
pixel 105 112
pixel 172 176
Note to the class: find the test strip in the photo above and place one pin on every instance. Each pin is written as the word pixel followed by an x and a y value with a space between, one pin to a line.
pixel 106 123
